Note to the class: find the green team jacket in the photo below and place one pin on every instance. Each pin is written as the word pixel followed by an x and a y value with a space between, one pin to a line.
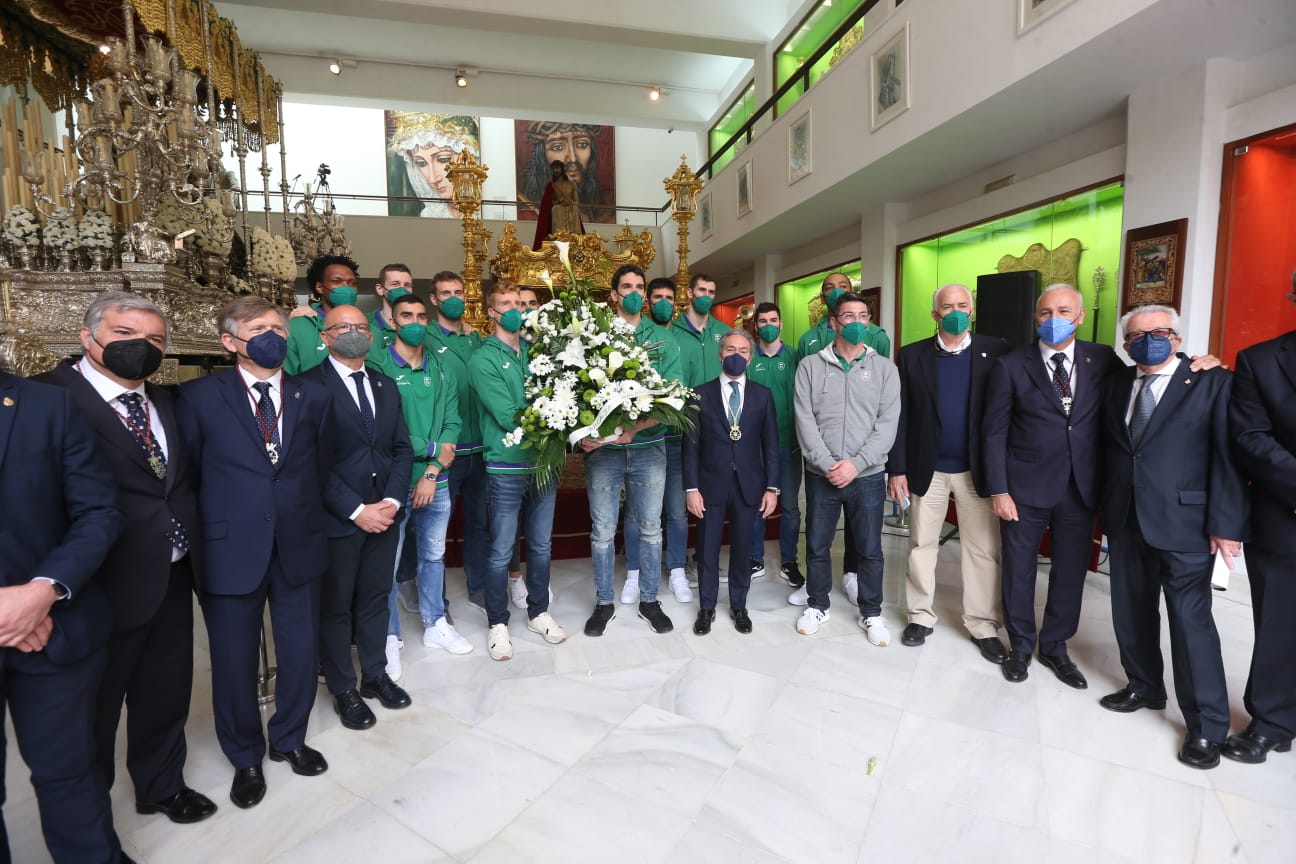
pixel 778 373
pixel 306 349
pixel 453 351
pixel 821 335
pixel 665 359
pixel 699 351
pixel 429 403
pixel 498 375
pixel 384 334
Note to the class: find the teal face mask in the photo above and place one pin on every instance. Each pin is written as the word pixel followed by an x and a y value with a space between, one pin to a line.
pixel 511 321
pixel 854 332
pixel 632 303
pixel 702 305
pixel 767 332
pixel 452 308
pixel 662 311
pixel 412 334
pixel 956 322
pixel 396 293
pixel 833 296
pixel 343 295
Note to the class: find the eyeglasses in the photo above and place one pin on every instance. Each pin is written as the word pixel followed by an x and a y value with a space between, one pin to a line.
pixel 1156 333
pixel 851 318
pixel 339 329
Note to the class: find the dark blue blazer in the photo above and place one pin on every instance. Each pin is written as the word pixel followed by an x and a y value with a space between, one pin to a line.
pixel 1180 478
pixel 712 460
pixel 1031 445
pixel 60 510
pixel 363 470
pixel 137 571
pixel 250 508
pixel 1262 424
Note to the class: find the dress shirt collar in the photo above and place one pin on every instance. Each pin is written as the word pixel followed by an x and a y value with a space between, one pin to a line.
pixel 107 389
pixel 962 346
pixel 1047 352
pixel 345 371
pixel 275 381
pixel 726 380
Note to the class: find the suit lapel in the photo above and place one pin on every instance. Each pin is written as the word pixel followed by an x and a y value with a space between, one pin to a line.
pixel 1035 369
pixel 1181 381
pixel 241 406
pixel 105 420
pixel 291 412
pixel 1287 358
pixel 8 410
pixel 1118 396
pixel 927 361
pixel 166 414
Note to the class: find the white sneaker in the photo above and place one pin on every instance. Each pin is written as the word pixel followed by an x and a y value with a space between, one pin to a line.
pixel 810 621
pixel 630 591
pixel 518 592
pixel 850 587
pixel 442 634
pixel 497 640
pixel 394 645
pixel 799 597
pixel 876 630
pixel 546 626
pixel 680 587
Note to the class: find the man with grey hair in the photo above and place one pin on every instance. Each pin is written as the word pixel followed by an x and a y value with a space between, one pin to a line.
pixel 1172 498
pixel 731 467
pixel 152 570
pixel 936 457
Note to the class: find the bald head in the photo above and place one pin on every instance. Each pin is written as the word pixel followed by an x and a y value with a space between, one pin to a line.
pixel 346 335
pixel 344 315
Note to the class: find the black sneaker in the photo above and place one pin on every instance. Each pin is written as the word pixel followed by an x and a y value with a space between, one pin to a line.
pixel 597 623
pixel 791 574
pixel 653 614
pixel 758 569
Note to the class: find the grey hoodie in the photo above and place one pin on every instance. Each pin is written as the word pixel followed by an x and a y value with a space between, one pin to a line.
pixel 847 415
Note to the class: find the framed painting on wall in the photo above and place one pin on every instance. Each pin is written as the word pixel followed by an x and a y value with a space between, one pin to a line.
pixel 1154 265
pixel 745 188
pixel 1032 12
pixel 704 215
pixel 889 76
pixel 800 162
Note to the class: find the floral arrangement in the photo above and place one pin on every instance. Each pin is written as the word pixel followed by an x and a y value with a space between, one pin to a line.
pixel 20 227
pixel 588 378
pixel 240 286
pixel 96 230
pixel 285 259
pixel 61 230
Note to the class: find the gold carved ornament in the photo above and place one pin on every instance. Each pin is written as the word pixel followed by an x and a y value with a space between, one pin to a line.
pixel 589 255
pixel 1059 266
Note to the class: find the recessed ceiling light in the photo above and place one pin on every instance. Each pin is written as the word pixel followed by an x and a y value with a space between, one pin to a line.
pixel 336 67
pixel 461 78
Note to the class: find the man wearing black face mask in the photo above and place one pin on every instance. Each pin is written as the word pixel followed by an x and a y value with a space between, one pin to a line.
pixel 152 570
pixel 1172 498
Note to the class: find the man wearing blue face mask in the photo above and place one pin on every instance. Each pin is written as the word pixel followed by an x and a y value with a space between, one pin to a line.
pixel 333 283
pixel 1172 498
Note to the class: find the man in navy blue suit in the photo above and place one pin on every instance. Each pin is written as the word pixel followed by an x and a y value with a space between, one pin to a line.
pixel 60 519
pixel 262 442
pixel 730 466
pixel 371 464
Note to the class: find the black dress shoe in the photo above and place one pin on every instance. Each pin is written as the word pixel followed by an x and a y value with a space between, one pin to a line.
pixel 1125 700
pixel 742 621
pixel 1015 666
pixel 1065 670
pixel 184 807
pixel 248 787
pixel 352 709
pixel 702 625
pixel 306 761
pixel 991 649
pixel 1199 752
pixel 1251 747
pixel 914 634
pixel 389 694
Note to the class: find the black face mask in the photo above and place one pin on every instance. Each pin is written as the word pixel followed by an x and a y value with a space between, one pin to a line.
pixel 132 359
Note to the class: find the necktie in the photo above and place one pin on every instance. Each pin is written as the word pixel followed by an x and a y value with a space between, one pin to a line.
pixel 138 423
pixel 735 403
pixel 366 410
pixel 1143 408
pixel 267 417
pixel 1061 380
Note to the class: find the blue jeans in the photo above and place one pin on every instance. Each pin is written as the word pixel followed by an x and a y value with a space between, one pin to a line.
pixel 673 507
pixel 468 481
pixel 642 471
pixel 790 521
pixel 428 524
pixel 515 499
pixel 862 500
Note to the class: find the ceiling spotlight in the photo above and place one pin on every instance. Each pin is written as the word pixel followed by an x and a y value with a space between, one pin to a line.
pixel 461 78
pixel 336 67
pixel 654 94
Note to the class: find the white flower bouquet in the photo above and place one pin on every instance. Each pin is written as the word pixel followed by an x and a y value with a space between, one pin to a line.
pixel 262 260
pixel 96 230
pixel 285 259
pixel 61 230
pixel 588 378
pixel 20 227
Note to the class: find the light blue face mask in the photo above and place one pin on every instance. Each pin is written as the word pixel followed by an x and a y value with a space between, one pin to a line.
pixel 1056 330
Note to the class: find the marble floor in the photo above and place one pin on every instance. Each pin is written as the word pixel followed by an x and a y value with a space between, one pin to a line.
pixel 770 747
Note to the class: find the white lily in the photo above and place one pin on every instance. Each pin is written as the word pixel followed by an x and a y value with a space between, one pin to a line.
pixel 564 254
pixel 673 401
pixel 614 362
pixel 547 279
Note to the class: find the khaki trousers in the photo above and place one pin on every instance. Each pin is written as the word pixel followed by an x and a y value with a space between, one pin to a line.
pixel 979 540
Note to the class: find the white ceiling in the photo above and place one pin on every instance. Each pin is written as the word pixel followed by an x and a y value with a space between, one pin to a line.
pixel 587 59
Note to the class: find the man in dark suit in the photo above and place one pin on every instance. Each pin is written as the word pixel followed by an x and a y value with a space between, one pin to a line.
pixel 262 442
pixel 150 573
pixel 1172 497
pixel 370 468
pixel 730 466
pixel 1262 422
pixel 1041 435
pixel 60 519
pixel 936 456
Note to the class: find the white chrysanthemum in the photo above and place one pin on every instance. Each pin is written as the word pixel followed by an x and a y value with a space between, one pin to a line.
pixel 20 227
pixel 514 438
pixel 541 365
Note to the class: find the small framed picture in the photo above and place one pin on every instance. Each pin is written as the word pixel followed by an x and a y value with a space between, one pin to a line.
pixel 1154 265
pixel 799 152
pixel 704 215
pixel 1032 12
pixel 745 188
pixel 890 79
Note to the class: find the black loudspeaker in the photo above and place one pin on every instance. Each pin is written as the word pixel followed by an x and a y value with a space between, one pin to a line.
pixel 1005 306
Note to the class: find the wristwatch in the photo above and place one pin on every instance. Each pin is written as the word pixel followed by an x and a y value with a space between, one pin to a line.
pixel 773 489
pixel 430 475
